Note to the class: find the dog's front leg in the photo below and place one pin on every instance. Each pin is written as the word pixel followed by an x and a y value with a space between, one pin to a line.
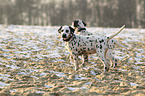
pixel 84 59
pixel 71 58
pixel 75 57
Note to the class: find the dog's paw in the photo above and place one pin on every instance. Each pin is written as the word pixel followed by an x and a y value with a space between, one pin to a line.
pixel 76 68
pixel 106 69
pixel 115 64
pixel 83 64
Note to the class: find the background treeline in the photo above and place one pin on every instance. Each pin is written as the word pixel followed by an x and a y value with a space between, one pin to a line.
pixel 104 13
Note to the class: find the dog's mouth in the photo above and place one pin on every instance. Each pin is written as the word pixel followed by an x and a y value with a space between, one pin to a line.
pixel 65 39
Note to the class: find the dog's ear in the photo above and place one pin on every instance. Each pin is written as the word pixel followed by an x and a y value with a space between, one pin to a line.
pixel 75 23
pixel 84 23
pixel 71 29
pixel 59 30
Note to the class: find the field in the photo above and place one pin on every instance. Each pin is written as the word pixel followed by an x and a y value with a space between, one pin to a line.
pixel 34 62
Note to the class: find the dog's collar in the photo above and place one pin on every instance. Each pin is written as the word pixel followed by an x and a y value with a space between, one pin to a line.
pixel 79 30
pixel 68 39
pixel 73 37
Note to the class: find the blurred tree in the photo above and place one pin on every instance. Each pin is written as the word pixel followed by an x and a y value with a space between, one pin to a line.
pixel 82 9
pixel 110 11
pixel 62 14
pixel 1 14
pixel 71 16
pixel 140 13
pixel 107 13
pixel 52 12
pixel 126 12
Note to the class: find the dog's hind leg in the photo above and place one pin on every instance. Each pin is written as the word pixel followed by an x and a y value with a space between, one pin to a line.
pixel 111 58
pixel 104 60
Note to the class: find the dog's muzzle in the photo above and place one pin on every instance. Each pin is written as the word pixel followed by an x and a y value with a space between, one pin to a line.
pixel 64 36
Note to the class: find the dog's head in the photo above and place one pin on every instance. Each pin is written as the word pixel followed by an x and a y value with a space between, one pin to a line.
pixel 78 24
pixel 66 32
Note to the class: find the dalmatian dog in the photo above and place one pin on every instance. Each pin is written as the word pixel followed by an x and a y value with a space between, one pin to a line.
pixel 79 26
pixel 84 45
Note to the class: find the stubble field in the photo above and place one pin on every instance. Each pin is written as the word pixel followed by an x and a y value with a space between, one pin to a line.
pixel 34 62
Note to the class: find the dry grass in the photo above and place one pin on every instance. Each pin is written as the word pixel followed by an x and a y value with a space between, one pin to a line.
pixel 33 61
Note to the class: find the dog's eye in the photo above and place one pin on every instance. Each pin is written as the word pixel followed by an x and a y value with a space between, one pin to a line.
pixel 67 31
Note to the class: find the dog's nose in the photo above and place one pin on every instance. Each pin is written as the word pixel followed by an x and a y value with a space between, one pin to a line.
pixel 64 36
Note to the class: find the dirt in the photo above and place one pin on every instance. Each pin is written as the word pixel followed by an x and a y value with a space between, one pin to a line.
pixel 34 62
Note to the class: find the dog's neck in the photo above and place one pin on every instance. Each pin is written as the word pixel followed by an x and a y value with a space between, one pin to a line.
pixel 81 29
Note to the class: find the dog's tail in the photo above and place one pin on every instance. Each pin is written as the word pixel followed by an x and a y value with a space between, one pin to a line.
pixel 116 33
